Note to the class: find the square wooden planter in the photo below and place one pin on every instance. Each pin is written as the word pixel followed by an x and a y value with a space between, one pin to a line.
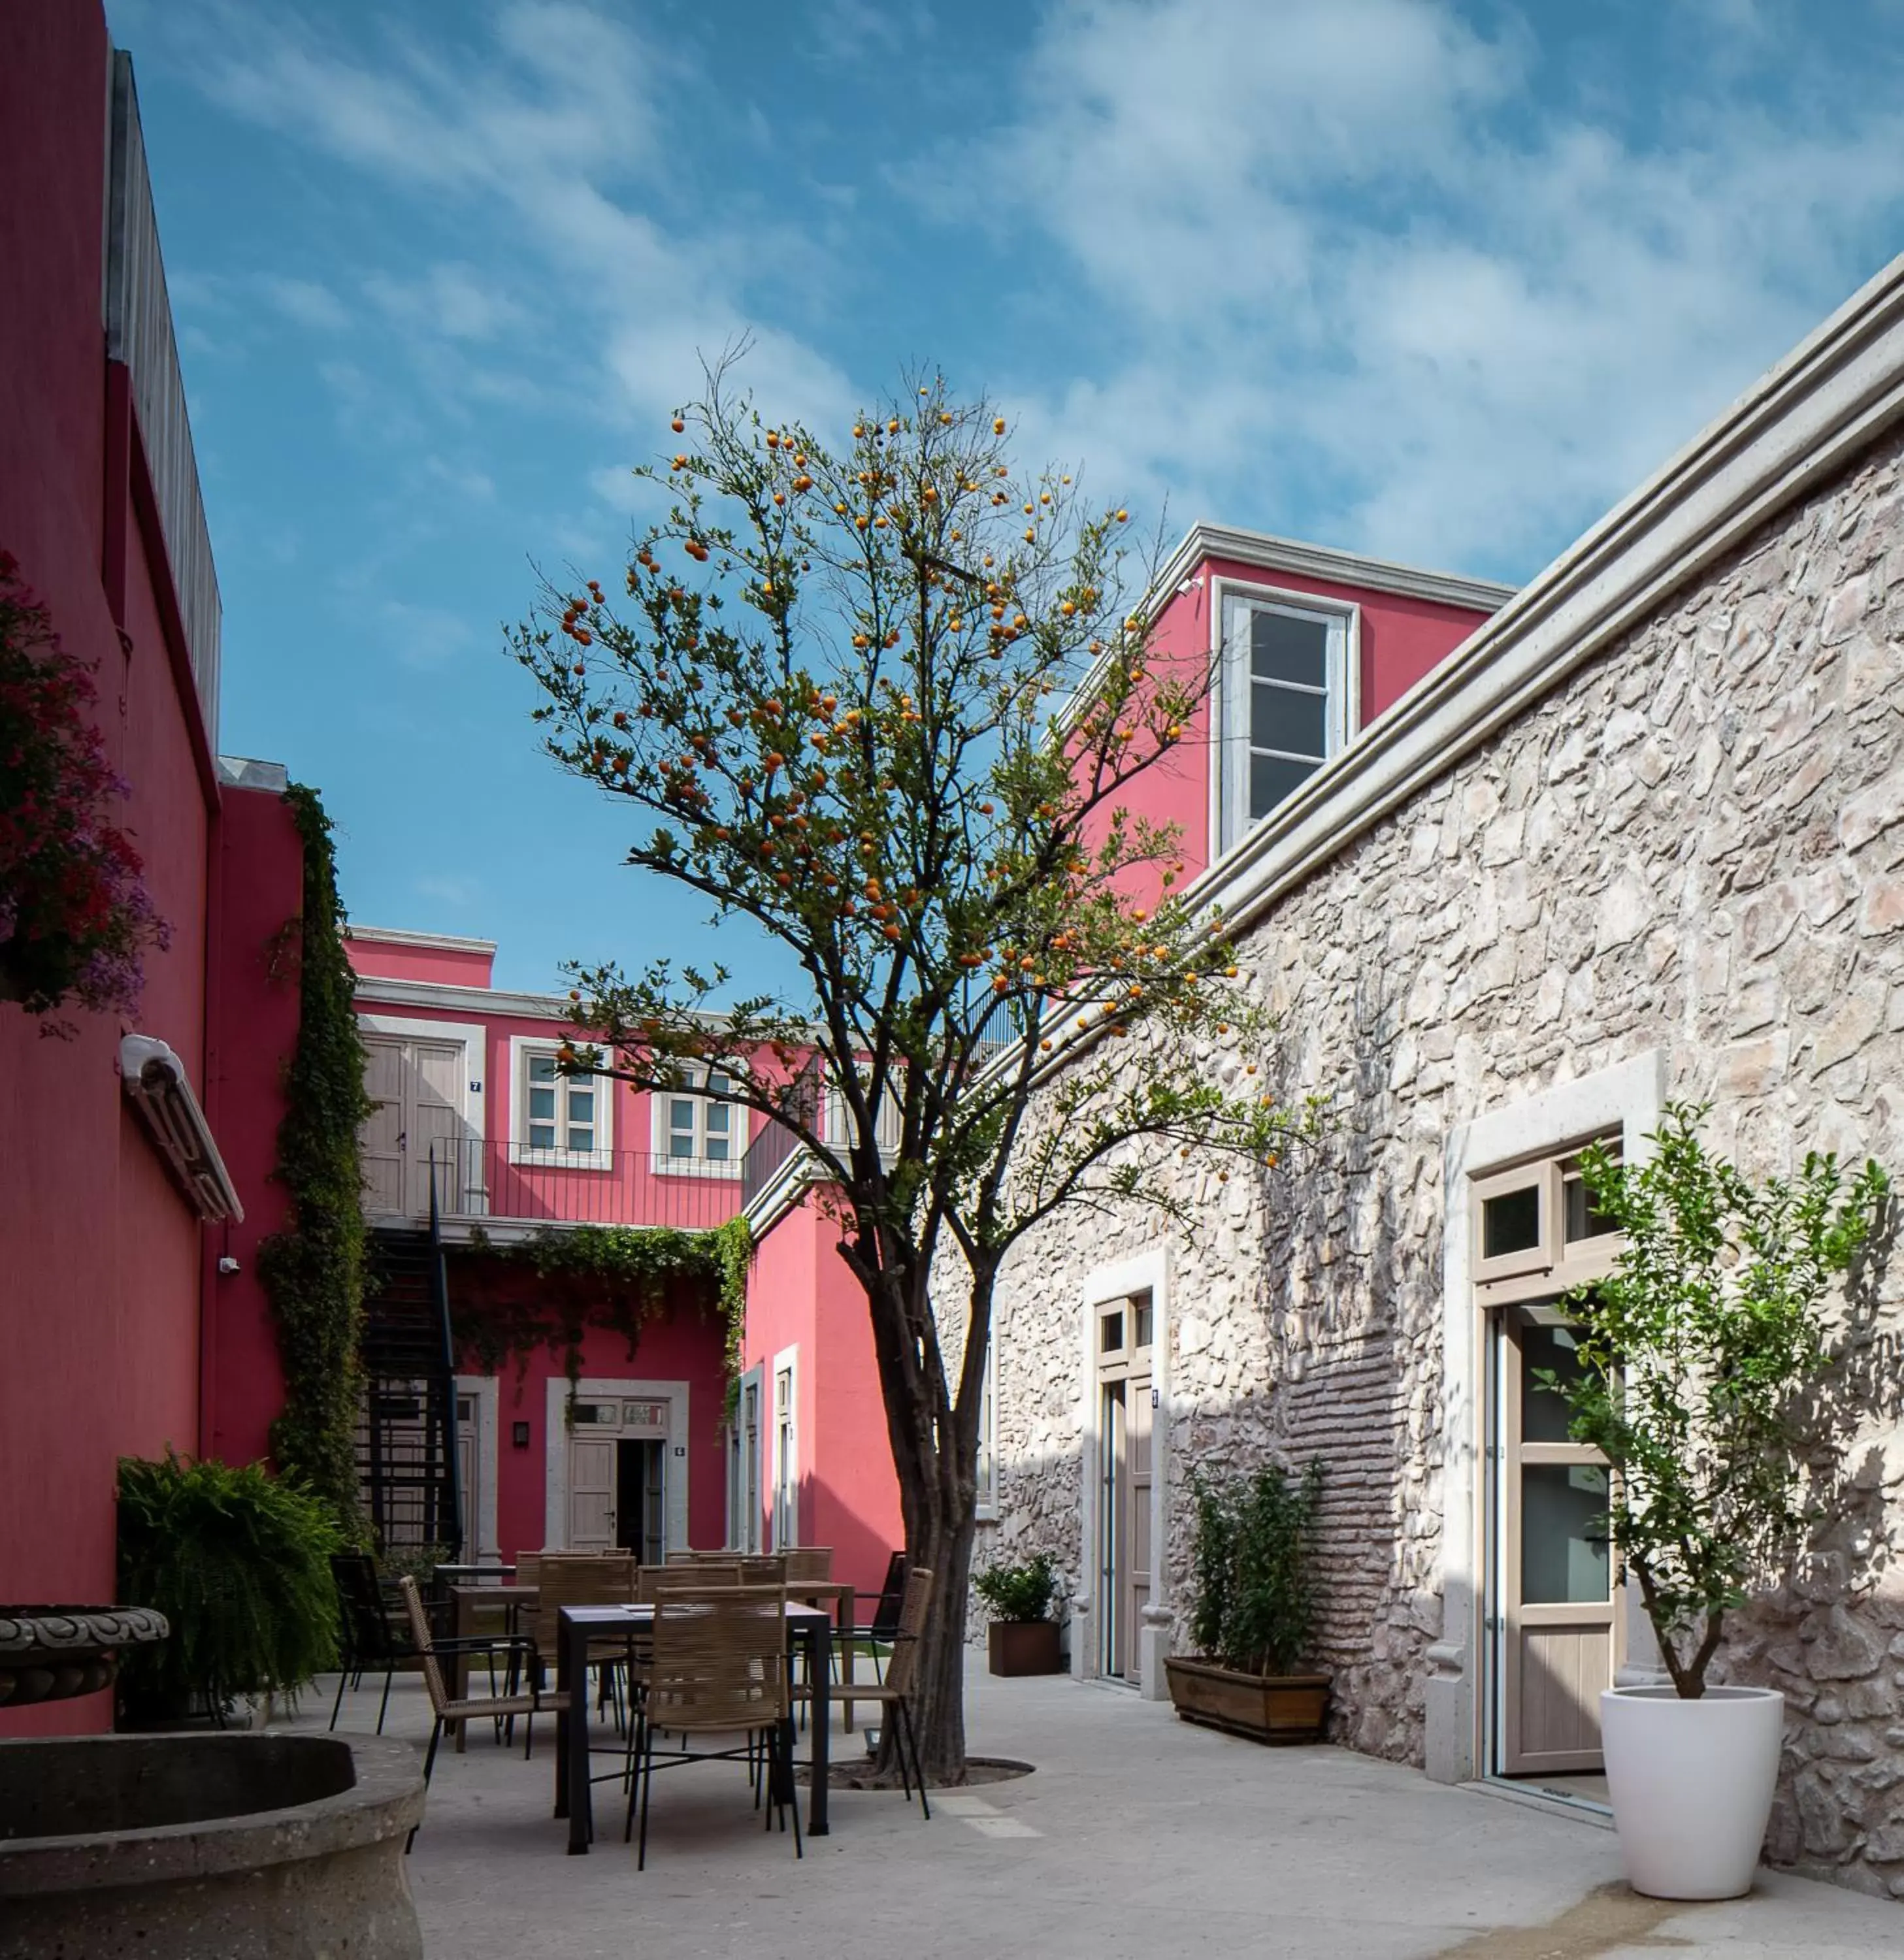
pixel 1023 1647
pixel 1265 1707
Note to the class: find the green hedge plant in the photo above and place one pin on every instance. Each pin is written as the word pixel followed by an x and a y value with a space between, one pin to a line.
pixel 1701 1361
pixel 1253 1554
pixel 239 1562
pixel 1019 1593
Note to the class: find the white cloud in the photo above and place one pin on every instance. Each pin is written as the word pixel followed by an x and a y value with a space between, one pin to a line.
pixel 305 303
pixel 1351 281
pixel 457 301
pixel 425 637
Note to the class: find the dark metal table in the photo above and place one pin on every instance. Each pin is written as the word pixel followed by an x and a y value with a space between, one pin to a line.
pixel 809 1627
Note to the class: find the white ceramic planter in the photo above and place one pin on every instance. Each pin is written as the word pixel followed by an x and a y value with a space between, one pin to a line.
pixel 1691 1784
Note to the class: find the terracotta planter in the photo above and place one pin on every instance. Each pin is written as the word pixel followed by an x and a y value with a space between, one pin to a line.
pixel 1023 1647
pixel 1265 1707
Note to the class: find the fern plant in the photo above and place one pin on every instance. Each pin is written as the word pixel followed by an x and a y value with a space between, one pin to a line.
pixel 239 1562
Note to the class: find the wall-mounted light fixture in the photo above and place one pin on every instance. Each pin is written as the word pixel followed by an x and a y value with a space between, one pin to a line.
pixel 227 1265
pixel 161 1092
pixel 519 1434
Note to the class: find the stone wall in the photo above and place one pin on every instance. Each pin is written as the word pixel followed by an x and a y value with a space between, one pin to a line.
pixel 1695 843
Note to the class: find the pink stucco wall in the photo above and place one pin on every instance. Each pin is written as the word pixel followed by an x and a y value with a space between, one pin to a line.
pixel 257 890
pixel 1402 639
pixel 444 965
pixel 802 1296
pixel 686 1343
pixel 100 1308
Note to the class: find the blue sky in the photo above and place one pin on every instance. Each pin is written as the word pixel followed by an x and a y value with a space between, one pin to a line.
pixel 1439 282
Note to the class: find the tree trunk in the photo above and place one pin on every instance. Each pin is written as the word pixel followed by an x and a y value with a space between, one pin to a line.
pixel 935 1459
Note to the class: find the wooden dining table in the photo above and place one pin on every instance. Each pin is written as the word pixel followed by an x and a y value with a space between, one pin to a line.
pixel 809 1628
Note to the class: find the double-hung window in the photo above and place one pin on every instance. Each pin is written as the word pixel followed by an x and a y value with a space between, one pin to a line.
pixel 561 1118
pixel 698 1132
pixel 1285 701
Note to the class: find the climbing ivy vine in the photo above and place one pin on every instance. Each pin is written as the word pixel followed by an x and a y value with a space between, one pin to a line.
pixel 620 1276
pixel 313 1271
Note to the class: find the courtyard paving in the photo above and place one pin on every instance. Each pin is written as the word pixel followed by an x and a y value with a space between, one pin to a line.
pixel 1136 1836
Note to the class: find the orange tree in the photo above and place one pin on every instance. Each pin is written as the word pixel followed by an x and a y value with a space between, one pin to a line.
pixel 884 700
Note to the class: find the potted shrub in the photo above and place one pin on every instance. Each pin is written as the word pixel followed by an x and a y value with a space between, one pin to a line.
pixel 1254 1612
pixel 1023 1636
pixel 239 1563
pixel 1698 1358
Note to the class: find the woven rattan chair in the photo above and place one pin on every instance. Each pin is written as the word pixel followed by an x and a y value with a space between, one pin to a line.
pixel 808 1562
pixel 528 1568
pixel 581 1579
pixel 902 1676
pixel 763 1568
pixel 675 1582
pixel 528 1702
pixel 717 1667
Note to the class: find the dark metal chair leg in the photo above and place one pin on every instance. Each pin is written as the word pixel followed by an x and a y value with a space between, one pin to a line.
pixel 909 1740
pixel 384 1707
pixel 429 1759
pixel 336 1706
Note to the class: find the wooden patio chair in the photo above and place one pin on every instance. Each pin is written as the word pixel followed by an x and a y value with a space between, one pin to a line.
pixel 808 1562
pixel 717 1667
pixel 895 1691
pixel 583 1578
pixel 527 1702
pixel 369 1641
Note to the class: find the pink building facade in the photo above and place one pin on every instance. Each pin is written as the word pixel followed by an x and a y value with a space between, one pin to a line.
pixel 127 1334
pixel 471 1116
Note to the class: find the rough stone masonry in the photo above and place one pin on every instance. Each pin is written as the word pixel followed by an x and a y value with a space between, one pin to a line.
pixel 1695 842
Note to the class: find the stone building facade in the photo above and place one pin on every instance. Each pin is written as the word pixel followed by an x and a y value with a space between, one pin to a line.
pixel 1642 840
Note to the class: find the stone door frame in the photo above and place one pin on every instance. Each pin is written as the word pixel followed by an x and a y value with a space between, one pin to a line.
pixel 1628 1096
pixel 1147 1273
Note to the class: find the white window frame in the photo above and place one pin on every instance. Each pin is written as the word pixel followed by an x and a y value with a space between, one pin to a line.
pixel 700 1165
pixel 783 1485
pixel 1233 601
pixel 521 1151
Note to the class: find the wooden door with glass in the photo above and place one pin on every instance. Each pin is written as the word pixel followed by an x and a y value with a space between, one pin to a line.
pixel 1552 1609
pixel 1123 1337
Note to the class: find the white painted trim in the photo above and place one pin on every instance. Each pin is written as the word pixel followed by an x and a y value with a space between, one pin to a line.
pixel 554 1515
pixel 1148 1272
pixel 786 1362
pixel 439 942
pixel 465 1000
pixel 751 1534
pixel 1204 541
pixel 1630 1096
pixel 601 1158
pixel 488 1416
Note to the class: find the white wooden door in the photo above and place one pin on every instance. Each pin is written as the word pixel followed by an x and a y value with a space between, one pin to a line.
pixel 1555 1573
pixel 416 1090
pixel 591 1493
pixel 382 1136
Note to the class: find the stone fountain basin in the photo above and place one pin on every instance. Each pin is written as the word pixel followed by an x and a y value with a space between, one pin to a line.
pixel 207 1848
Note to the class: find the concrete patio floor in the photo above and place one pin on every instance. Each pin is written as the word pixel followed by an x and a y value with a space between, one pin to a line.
pixel 1137 1836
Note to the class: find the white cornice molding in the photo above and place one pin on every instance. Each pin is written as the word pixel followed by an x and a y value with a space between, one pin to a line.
pixel 1829 399
pixel 1260 549
pixel 437 942
pixel 467 1000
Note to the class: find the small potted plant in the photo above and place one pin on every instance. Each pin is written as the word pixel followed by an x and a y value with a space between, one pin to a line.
pixel 1254 1614
pixel 1698 1357
pixel 1023 1636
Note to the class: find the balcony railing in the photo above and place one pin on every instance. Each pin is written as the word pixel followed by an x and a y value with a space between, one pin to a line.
pixel 823 1108
pixel 492 1181
pixel 139 332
